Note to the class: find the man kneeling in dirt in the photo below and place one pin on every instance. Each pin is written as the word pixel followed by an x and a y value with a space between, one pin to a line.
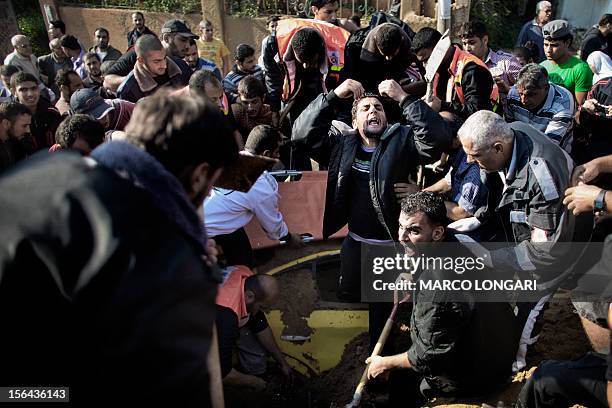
pixel 241 323
pixel 458 346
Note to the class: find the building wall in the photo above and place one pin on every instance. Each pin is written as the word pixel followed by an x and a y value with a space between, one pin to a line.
pixel 82 22
pixel 583 14
pixel 8 23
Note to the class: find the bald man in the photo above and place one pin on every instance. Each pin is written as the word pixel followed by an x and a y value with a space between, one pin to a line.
pixel 241 301
pixel 22 56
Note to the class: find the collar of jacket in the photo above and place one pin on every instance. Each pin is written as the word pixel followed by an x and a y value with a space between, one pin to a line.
pixel 145 80
pixel 519 182
pixel 147 173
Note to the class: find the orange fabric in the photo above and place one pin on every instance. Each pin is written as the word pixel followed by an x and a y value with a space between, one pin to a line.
pixel 302 204
pixel 460 60
pixel 231 292
pixel 335 39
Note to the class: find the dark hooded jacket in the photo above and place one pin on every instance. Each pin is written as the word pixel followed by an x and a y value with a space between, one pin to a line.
pixel 104 286
pixel 372 67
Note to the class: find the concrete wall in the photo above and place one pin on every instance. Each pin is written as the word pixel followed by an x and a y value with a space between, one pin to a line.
pixel 8 23
pixel 82 22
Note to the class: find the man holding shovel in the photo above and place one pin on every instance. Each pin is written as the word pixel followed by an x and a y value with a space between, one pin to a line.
pixel 458 346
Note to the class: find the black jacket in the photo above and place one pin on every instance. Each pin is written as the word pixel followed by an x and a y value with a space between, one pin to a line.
pixel 458 344
pixel 594 41
pixel 400 150
pixel 101 287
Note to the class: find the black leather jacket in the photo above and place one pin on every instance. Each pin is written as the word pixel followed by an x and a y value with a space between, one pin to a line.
pixel 400 150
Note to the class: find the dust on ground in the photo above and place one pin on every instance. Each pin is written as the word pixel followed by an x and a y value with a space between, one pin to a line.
pixel 298 298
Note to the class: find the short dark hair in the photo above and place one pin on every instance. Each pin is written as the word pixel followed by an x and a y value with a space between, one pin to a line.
pixel 9 70
pixel 430 204
pixel 92 55
pixel 426 38
pixel 11 110
pixel 243 51
pixel 199 79
pixel 356 19
pixel 58 24
pixel 532 76
pixel 322 3
pixel 21 77
pixel 102 29
pixel 62 78
pixel 139 13
pixel 523 52
pixel 605 19
pixel 182 133
pixel 70 42
pixel 388 38
pixel 308 44
pixel 356 102
pixel 251 87
pixel 262 138
pixel 79 126
pixel 192 41
pixel 271 19
pixel 472 29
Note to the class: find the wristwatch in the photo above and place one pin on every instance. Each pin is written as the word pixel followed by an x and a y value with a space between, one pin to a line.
pixel 600 202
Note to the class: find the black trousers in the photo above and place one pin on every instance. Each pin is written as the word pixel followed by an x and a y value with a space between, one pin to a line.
pixel 349 290
pixel 566 383
pixel 236 248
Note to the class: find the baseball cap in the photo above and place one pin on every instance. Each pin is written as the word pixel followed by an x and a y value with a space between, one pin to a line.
pixel 178 26
pixel 556 29
pixel 88 101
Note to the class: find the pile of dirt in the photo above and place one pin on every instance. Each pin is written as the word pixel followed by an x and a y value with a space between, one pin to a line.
pixel 339 383
pixel 297 301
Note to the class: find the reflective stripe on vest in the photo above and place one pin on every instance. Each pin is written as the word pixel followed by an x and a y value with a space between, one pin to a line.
pixel 460 60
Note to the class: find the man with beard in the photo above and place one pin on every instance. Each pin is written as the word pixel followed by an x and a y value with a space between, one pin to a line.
pixel 365 162
pixel 113 259
pixel 45 118
pixel 68 83
pixel 15 139
pixel 458 346
pixel 94 78
pixel 175 39
pixel 140 29
pixel 73 49
pixel 250 109
pixel 246 64
pixel 50 64
pixel 105 51
pixel 153 70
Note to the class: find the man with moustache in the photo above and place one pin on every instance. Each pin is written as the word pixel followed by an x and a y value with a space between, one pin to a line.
pixel 365 162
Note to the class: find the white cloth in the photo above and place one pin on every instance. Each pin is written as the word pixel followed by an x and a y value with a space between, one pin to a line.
pixel 602 64
pixel 227 210
pixel 26 64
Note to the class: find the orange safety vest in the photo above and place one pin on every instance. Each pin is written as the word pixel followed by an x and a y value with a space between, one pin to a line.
pixel 335 39
pixel 231 293
pixel 460 60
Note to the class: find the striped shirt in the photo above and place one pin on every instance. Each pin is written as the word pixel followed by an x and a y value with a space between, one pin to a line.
pixel 231 80
pixel 505 66
pixel 555 118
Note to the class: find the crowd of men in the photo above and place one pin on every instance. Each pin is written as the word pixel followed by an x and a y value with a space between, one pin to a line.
pixel 138 276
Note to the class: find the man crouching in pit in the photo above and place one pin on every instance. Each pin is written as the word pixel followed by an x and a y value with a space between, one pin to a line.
pixel 459 348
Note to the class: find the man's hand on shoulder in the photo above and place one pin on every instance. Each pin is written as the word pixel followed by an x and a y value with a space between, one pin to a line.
pixel 349 88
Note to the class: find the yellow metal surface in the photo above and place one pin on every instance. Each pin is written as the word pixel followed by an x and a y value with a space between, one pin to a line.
pixel 333 330
pixel 302 260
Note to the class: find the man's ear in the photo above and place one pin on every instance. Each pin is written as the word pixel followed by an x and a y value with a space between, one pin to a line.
pixel 199 178
pixel 6 124
pixel 499 147
pixel 485 41
pixel 438 233
pixel 314 9
pixel 140 59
